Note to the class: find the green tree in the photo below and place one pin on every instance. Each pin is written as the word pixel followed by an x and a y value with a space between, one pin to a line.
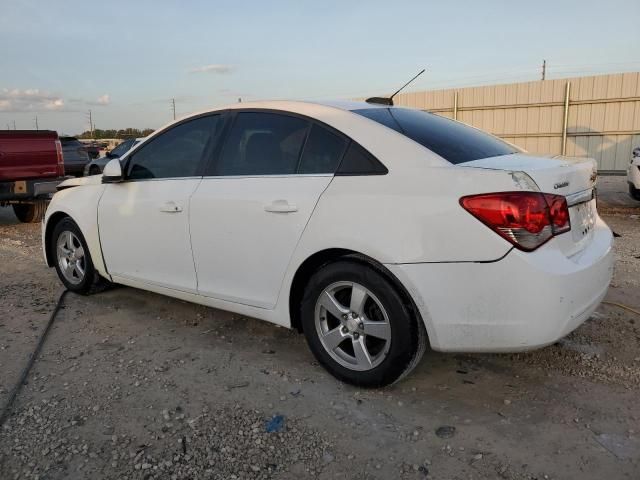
pixel 112 133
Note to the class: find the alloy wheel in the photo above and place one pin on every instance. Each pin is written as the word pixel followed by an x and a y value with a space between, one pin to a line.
pixel 353 326
pixel 71 257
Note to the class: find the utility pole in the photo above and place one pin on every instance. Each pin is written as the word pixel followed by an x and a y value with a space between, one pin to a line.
pixel 544 69
pixel 240 100
pixel 90 123
pixel 37 122
pixel 173 107
pixel 14 124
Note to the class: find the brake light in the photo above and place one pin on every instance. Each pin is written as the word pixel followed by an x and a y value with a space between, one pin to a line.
pixel 559 213
pixel 60 158
pixel 526 219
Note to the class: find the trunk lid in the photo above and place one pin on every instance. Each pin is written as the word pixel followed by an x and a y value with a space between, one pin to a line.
pixel 575 178
pixel 559 175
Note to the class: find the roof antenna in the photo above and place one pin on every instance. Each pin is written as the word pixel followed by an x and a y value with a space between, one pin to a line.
pixel 389 101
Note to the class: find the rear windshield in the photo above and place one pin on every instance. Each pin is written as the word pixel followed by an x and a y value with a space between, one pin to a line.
pixel 453 141
pixel 69 140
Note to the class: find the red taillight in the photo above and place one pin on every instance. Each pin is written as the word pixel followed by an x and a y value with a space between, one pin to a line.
pixel 559 213
pixel 526 219
pixel 60 158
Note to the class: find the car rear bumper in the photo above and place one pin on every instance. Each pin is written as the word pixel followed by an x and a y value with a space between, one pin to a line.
pixel 23 190
pixel 520 302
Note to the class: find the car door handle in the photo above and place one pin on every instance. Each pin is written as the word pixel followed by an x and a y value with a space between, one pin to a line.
pixel 280 206
pixel 170 207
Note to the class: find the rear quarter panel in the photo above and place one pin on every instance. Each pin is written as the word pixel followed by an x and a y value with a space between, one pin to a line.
pixel 399 218
pixel 413 217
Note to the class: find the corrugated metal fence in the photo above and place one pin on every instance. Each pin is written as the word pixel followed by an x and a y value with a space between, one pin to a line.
pixel 597 116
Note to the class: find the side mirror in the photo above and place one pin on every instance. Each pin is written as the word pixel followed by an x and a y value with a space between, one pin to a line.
pixel 112 172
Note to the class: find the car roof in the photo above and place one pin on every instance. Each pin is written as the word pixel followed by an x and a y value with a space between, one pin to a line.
pixel 380 140
pixel 348 105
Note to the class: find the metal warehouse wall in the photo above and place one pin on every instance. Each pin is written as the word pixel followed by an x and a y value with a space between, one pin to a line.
pixel 597 117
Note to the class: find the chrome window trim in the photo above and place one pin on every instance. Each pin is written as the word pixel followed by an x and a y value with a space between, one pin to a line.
pixel 580 197
pixel 288 175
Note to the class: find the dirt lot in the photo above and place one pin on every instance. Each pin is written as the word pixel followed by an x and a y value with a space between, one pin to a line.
pixel 135 385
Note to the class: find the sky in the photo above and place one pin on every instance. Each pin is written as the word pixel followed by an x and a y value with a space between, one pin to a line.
pixel 126 60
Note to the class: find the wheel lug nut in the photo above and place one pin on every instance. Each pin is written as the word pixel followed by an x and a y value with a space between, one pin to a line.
pixel 356 335
pixel 345 329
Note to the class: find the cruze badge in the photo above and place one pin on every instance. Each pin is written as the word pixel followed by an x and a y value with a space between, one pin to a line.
pixel 561 185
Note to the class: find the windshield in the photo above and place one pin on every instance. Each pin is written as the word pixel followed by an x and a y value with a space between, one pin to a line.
pixel 453 141
pixel 122 148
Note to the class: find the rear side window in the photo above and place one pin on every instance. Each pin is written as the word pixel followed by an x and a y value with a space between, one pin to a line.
pixel 453 141
pixel 70 142
pixel 174 153
pixel 357 161
pixel 322 151
pixel 263 144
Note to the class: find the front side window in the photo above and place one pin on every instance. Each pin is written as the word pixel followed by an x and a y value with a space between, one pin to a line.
pixel 453 141
pixel 262 143
pixel 174 153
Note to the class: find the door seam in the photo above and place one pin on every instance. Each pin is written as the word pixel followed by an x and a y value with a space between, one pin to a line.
pixel 193 258
pixel 295 249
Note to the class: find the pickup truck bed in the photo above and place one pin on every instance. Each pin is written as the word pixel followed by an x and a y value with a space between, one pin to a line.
pixel 31 166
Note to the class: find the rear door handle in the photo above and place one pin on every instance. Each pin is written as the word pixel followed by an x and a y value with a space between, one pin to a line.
pixel 280 206
pixel 170 207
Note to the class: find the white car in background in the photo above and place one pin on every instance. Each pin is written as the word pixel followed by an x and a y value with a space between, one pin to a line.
pixel 633 174
pixel 96 166
pixel 375 230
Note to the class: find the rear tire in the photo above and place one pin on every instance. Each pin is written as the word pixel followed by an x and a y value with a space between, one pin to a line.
pixel 94 170
pixel 30 212
pixel 634 192
pixel 358 326
pixel 73 261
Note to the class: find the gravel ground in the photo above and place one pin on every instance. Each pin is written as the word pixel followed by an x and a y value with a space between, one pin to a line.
pixel 133 385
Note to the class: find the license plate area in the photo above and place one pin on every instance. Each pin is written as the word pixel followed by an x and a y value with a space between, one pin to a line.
pixel 20 186
pixel 582 220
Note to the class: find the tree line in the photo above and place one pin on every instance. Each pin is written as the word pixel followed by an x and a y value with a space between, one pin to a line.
pixel 113 133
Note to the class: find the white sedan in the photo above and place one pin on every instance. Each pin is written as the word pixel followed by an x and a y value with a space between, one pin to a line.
pixel 375 230
pixel 633 174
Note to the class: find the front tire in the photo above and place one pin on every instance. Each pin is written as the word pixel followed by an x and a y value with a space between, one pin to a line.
pixel 358 326
pixel 73 261
pixel 30 212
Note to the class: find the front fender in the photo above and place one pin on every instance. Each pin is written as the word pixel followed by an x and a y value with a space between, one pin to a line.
pixel 81 205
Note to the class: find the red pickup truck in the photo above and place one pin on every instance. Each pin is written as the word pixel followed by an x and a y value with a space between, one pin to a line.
pixel 31 166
